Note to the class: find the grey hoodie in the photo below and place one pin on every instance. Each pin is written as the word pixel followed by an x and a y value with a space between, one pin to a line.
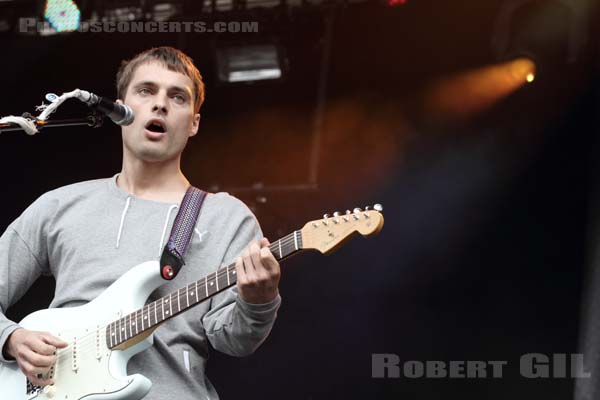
pixel 88 234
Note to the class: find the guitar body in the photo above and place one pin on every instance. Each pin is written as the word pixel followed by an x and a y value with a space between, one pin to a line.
pixel 88 369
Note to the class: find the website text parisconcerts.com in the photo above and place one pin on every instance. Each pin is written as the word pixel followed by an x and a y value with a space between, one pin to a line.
pixel 32 25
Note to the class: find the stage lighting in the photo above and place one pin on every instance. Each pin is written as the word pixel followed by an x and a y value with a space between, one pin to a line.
pixel 522 70
pixel 63 15
pixel 249 63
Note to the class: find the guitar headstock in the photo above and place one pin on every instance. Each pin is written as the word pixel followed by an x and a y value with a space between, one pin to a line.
pixel 330 232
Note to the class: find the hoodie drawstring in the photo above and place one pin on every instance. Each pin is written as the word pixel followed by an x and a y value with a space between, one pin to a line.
pixel 162 237
pixel 123 220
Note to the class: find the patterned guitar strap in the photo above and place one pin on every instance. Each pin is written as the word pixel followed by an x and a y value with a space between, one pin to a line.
pixel 172 259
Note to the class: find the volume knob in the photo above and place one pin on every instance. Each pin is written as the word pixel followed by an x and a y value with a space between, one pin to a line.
pixel 49 391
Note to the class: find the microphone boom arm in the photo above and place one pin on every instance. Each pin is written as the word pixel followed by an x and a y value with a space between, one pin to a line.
pixel 93 120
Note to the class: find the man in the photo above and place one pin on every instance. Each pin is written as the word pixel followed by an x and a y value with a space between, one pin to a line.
pixel 90 233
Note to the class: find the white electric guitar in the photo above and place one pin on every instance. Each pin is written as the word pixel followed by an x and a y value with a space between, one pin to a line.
pixel 105 333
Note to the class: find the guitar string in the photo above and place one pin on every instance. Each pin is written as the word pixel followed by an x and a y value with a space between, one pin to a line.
pixel 294 237
pixel 84 343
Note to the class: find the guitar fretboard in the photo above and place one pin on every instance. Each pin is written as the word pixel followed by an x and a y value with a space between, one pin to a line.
pixel 158 311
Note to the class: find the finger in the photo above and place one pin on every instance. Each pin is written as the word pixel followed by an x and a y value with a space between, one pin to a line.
pixel 39 361
pixel 249 266
pixel 255 256
pixel 39 345
pixel 239 270
pixel 264 242
pixel 54 341
pixel 268 260
pixel 31 370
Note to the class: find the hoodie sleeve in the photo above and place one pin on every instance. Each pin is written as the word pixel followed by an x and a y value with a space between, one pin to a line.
pixel 23 258
pixel 232 325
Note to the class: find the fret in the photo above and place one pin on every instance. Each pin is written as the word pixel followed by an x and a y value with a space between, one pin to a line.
pixel 286 249
pixel 227 271
pixel 217 280
pixel 120 328
pixel 295 240
pixel 187 296
pixel 170 310
pixel 206 285
pixel 224 277
pixel 135 322
pixel 178 302
pixel 162 303
pixel 112 334
pixel 197 300
pixel 155 312
pixel 280 254
pixel 128 324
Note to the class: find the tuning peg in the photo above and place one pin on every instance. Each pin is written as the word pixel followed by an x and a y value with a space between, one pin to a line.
pixel 336 216
pixel 357 210
pixel 325 216
pixel 346 217
pixel 378 207
pixel 367 208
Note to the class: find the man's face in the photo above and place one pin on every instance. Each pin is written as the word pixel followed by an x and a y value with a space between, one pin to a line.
pixel 162 102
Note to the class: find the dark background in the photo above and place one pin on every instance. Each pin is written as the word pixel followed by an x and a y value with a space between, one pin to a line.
pixel 487 216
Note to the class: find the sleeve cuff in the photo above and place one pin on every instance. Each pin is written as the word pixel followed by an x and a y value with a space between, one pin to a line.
pixel 262 312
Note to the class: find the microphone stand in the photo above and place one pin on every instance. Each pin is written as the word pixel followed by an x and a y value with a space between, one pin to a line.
pixel 93 120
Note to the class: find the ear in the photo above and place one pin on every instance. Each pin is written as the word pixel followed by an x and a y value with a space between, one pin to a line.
pixel 119 101
pixel 195 125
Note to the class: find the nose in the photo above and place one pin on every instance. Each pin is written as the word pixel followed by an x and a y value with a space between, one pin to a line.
pixel 160 105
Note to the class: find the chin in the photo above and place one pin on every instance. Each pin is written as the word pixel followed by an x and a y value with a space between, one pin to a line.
pixel 152 155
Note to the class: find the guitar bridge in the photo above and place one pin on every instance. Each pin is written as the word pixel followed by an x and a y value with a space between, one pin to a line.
pixel 32 390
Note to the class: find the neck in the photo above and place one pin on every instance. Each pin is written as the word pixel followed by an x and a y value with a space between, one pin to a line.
pixel 160 181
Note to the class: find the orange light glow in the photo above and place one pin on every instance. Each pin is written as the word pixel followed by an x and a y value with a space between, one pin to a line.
pixel 470 92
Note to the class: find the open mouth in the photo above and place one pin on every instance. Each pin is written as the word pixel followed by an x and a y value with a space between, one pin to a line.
pixel 156 126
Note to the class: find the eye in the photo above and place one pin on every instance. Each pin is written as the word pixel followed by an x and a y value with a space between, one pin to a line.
pixel 179 98
pixel 144 91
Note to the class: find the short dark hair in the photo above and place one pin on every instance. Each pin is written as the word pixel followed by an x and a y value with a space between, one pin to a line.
pixel 170 57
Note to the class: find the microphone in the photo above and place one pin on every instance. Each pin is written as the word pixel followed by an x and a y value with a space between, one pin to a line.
pixel 120 114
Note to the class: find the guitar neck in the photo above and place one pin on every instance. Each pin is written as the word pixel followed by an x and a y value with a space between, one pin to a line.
pixel 140 323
